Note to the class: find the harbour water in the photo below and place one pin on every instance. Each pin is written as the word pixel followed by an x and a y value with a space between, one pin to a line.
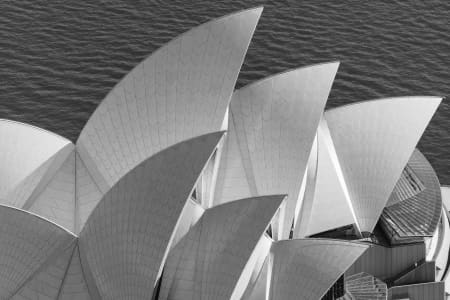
pixel 59 58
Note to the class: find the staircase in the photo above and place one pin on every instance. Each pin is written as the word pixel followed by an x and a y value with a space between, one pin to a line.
pixel 363 286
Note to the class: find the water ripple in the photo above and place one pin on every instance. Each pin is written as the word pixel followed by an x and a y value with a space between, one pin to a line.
pixel 61 57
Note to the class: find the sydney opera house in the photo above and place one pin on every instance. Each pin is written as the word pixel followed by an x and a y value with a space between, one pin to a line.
pixel 181 187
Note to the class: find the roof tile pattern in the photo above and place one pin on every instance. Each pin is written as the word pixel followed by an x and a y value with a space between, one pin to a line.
pixel 307 268
pixel 127 236
pixel 16 159
pixel 57 200
pixel 27 242
pixel 373 142
pixel 26 190
pixel 209 260
pixel 47 282
pixel 88 194
pixel 179 92
pixel 74 286
pixel 276 121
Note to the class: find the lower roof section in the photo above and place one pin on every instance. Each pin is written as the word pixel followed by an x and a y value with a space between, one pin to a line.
pixel 47 281
pixel 210 261
pixel 128 235
pixel 275 122
pixel 307 268
pixel 76 284
pixel 55 199
pixel 28 245
pixel 259 288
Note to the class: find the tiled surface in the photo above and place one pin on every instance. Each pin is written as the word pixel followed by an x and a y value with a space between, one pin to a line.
pixel 27 242
pixel 88 194
pixel 127 237
pixel 276 121
pixel 179 92
pixel 46 283
pixel 24 191
pixel 23 149
pixel 307 268
pixel 57 200
pixel 373 142
pixel 209 260
pixel 74 286
pixel 252 267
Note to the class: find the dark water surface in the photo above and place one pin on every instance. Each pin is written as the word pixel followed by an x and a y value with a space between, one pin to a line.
pixel 59 58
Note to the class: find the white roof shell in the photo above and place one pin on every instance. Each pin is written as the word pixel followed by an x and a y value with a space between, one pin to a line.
pixel 275 122
pixel 373 142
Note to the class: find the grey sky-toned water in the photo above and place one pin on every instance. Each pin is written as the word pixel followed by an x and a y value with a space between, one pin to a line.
pixel 59 58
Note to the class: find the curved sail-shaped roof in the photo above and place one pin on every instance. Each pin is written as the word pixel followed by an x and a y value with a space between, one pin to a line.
pixel 276 121
pixel 28 243
pixel 373 142
pixel 56 200
pixel 307 268
pixel 47 281
pixel 24 148
pixel 88 193
pixel 127 237
pixel 179 92
pixel 74 285
pixel 61 277
pixel 214 253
